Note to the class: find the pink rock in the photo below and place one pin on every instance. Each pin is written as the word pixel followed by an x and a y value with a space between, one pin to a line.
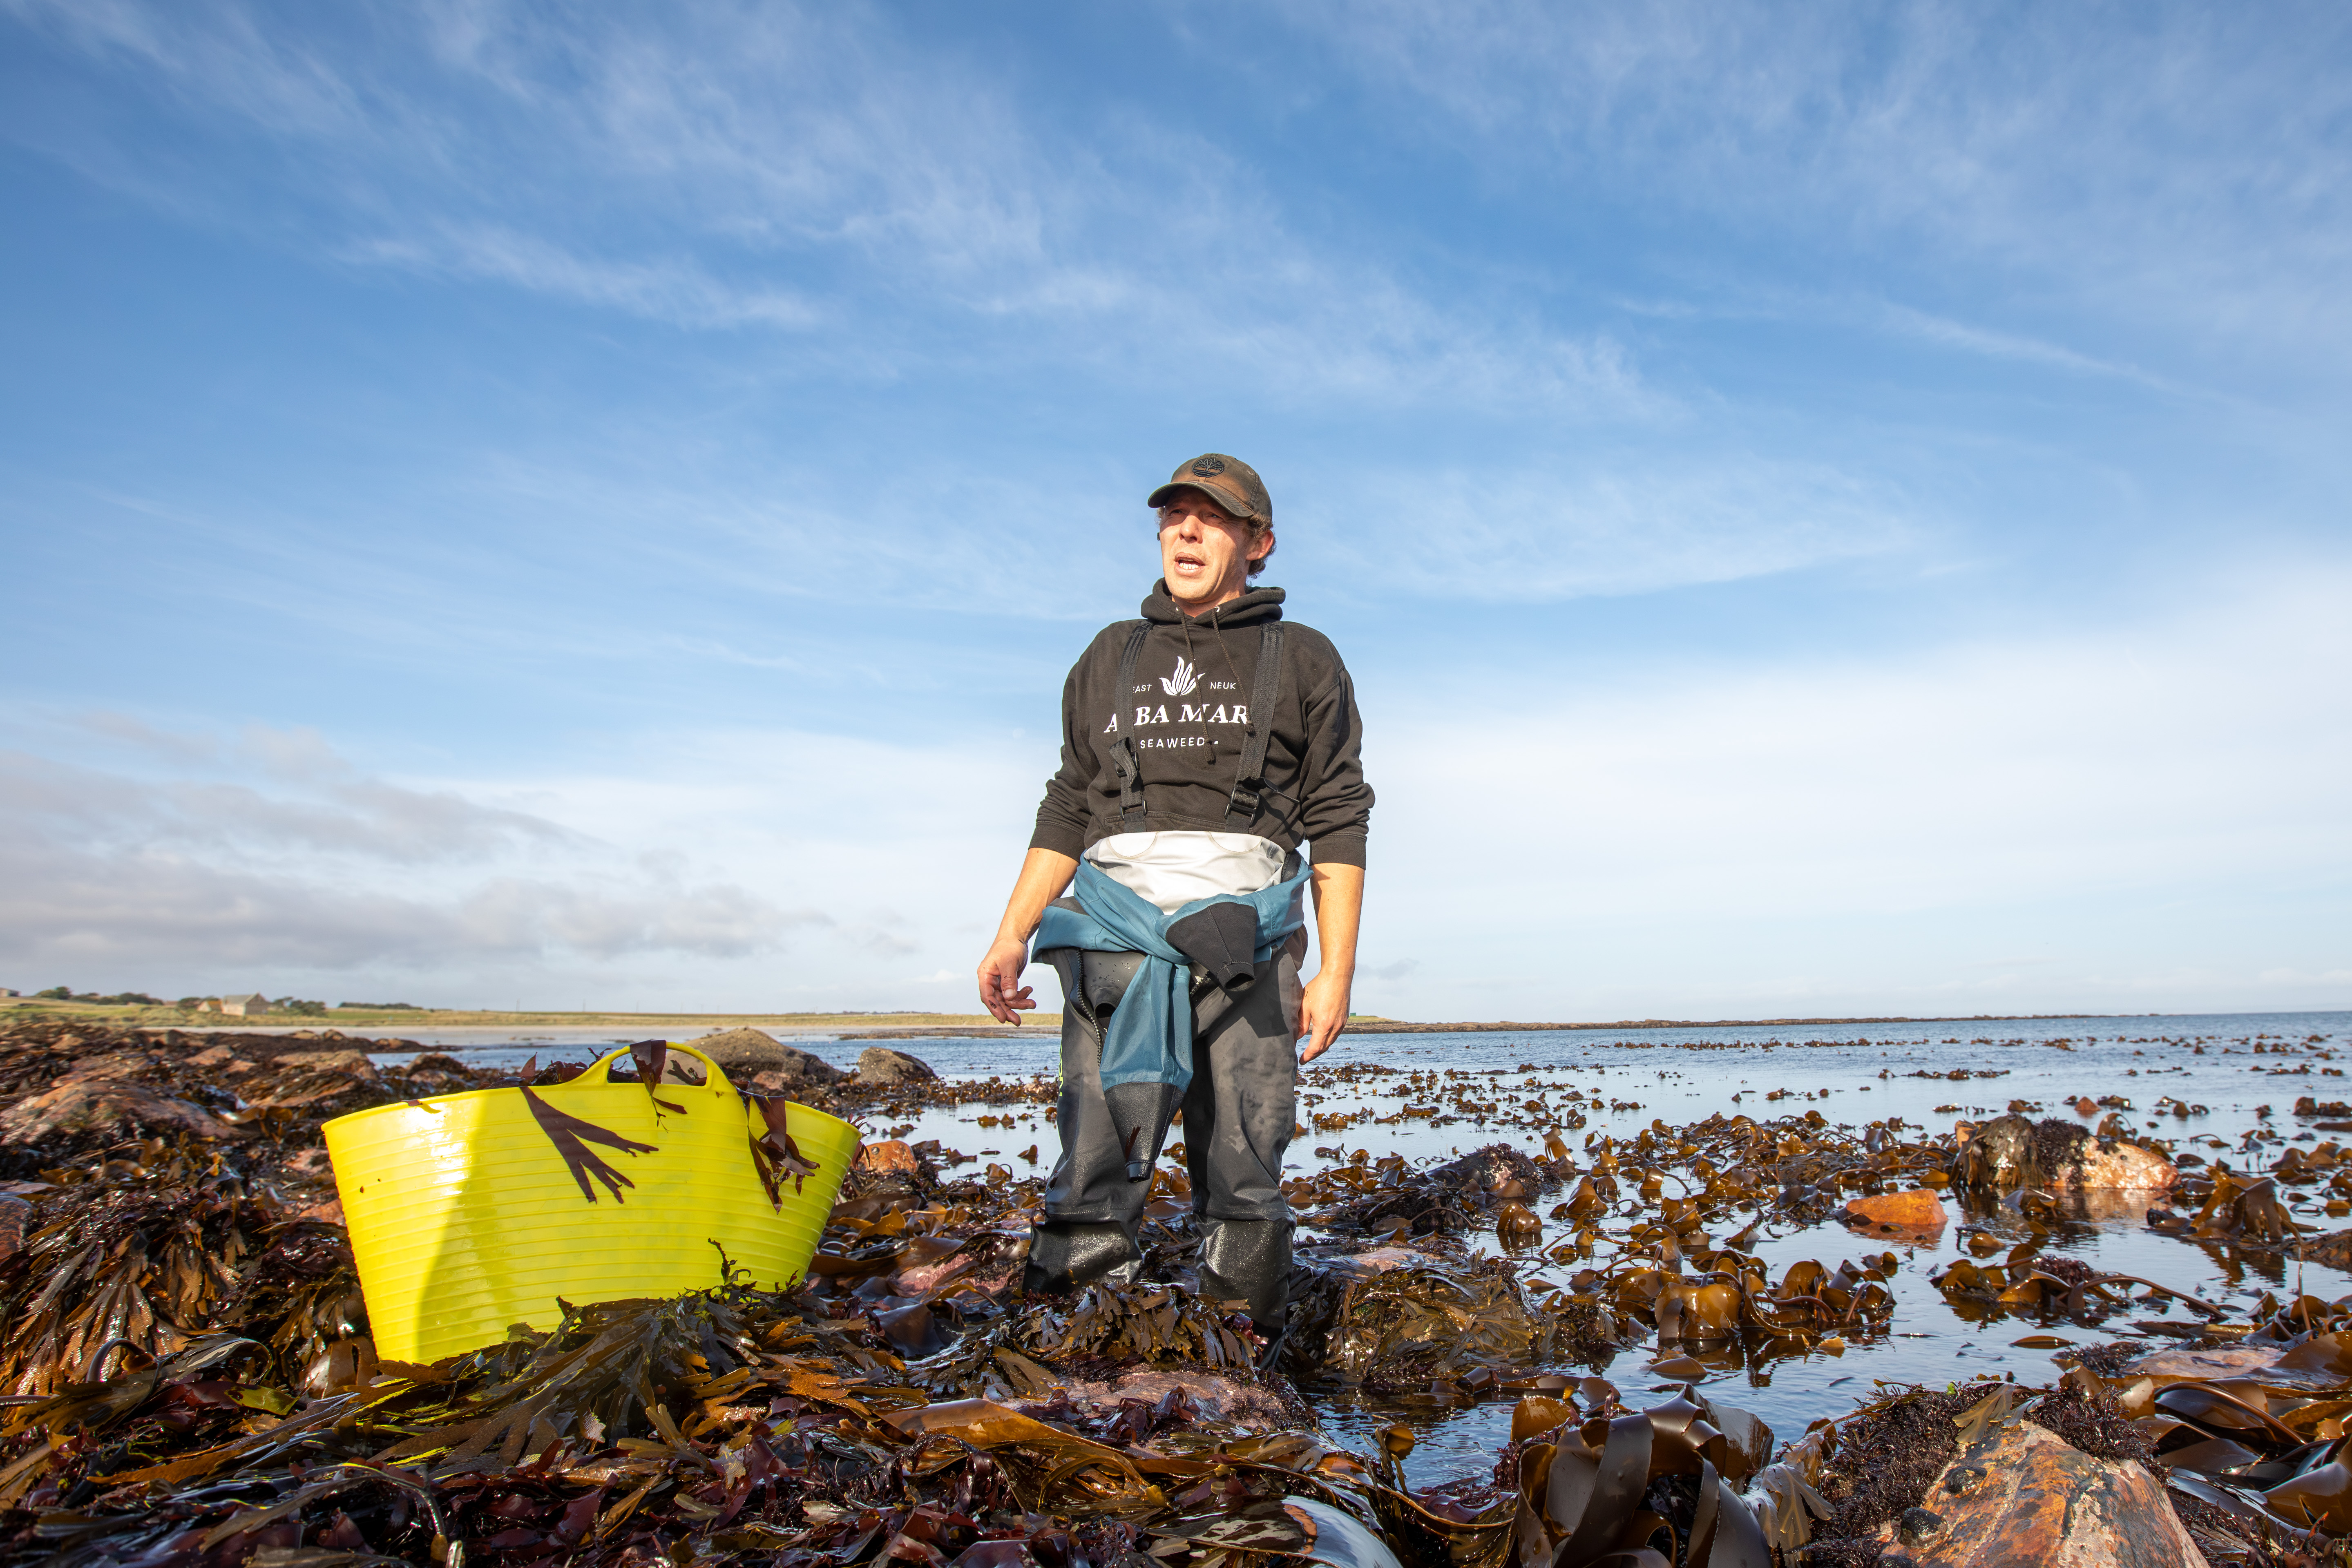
pixel 2123 1166
pixel 1219 1398
pixel 927 1276
pixel 1910 1213
pixel 2026 1500
pixel 890 1156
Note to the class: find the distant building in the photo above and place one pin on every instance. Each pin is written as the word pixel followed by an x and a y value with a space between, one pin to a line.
pixel 9 991
pixel 244 1006
pixel 209 1005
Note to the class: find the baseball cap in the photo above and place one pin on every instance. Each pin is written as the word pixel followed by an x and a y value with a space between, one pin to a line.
pixel 1231 482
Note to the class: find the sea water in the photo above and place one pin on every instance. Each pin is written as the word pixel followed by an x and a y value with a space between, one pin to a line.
pixel 1852 1073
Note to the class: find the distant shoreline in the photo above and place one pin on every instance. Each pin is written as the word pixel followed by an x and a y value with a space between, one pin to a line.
pixel 880 1025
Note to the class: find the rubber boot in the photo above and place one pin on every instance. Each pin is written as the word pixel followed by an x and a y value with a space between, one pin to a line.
pixel 1249 1260
pixel 1066 1254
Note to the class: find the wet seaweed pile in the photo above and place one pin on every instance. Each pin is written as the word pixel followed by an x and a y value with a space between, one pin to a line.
pixel 189 1378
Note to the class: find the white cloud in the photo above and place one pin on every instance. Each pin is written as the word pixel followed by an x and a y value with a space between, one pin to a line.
pixel 2153 814
pixel 2148 816
pixel 298 862
pixel 300 800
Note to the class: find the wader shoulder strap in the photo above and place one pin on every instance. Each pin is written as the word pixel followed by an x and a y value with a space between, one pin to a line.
pixel 1265 692
pixel 1124 760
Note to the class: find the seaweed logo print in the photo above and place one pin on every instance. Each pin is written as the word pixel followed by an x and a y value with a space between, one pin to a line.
pixel 1180 684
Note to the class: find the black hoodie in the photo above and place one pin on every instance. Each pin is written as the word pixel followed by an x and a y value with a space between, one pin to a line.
pixel 1188 714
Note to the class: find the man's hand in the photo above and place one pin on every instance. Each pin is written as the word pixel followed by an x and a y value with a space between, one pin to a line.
pixel 1338 907
pixel 1323 1013
pixel 1043 874
pixel 1000 974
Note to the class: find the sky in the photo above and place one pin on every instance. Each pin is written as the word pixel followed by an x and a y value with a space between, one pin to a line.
pixel 1832 510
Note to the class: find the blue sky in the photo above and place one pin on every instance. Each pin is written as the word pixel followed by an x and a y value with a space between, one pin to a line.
pixel 1832 509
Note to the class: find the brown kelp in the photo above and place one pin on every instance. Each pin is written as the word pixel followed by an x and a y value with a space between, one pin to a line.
pixel 191 1380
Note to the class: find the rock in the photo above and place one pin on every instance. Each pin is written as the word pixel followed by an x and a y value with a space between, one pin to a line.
pixel 113 1066
pixel 2024 1496
pixel 1914 1213
pixel 889 1157
pixel 987 1263
pixel 1496 1171
pixel 922 1277
pixel 1376 1261
pixel 746 1053
pixel 2010 1152
pixel 1219 1398
pixel 880 1064
pixel 2123 1167
pixel 303 1079
pixel 352 1064
pixel 82 1105
pixel 1918 1526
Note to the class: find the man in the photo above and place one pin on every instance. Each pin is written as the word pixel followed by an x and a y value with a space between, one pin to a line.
pixel 1201 746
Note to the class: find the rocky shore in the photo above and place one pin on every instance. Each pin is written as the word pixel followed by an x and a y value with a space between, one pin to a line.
pixel 190 1379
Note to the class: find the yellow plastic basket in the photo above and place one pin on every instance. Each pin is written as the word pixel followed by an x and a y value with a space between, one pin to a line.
pixel 470 1213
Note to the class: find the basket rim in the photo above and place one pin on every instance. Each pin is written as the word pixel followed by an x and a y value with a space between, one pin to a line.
pixel 718 1083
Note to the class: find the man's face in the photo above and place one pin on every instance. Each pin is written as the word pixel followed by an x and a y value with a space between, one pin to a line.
pixel 1204 551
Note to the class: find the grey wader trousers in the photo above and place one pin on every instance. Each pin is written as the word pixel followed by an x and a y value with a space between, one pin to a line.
pixel 1238 1113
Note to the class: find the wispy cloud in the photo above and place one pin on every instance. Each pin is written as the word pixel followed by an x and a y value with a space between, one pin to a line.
pixel 1994 344
pixel 2182 162
pixel 812 169
pixel 1615 527
pixel 678 291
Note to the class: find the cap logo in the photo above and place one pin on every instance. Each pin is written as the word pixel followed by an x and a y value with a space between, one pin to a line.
pixel 1207 466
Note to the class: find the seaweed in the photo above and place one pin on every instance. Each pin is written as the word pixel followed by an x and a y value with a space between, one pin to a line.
pixel 1882 1460
pixel 187 1347
pixel 572 1136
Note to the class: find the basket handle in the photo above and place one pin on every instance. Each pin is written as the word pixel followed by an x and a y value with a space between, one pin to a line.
pixel 601 1071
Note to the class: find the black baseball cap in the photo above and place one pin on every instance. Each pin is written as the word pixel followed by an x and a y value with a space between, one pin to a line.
pixel 1230 483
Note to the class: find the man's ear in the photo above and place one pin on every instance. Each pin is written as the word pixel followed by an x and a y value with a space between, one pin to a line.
pixel 1262 546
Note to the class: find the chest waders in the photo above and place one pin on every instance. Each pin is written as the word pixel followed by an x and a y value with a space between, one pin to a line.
pixel 1238 1110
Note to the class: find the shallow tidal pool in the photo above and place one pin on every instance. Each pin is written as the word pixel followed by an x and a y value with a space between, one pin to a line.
pixel 2220 1088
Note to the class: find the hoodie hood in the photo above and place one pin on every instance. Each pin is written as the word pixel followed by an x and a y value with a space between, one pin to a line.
pixel 1255 607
